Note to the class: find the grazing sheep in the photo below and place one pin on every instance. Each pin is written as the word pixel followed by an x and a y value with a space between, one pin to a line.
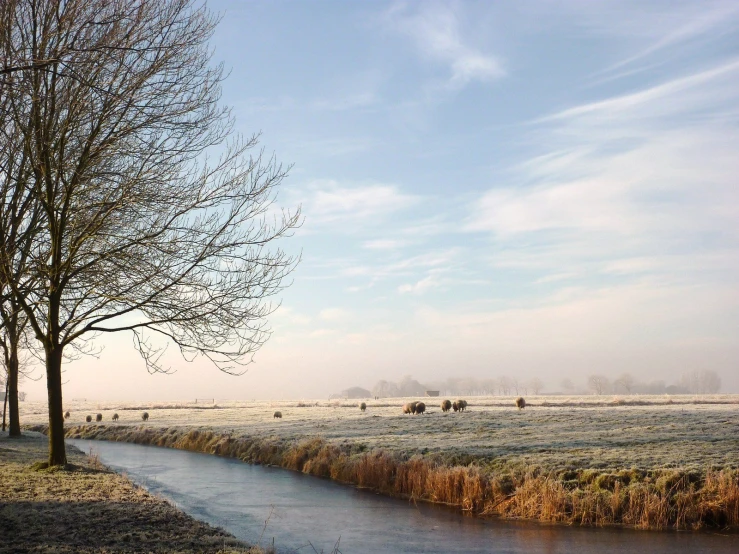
pixel 363 406
pixel 115 417
pixel 88 419
pixel 66 415
pixel 99 418
pixel 462 405
pixel 520 403
pixel 420 408
pixel 407 408
pixel 455 406
pixel 446 406
pixel 413 407
pixel 145 416
pixel 277 415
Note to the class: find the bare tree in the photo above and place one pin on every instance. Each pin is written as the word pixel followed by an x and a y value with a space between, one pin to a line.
pixel 626 381
pixel 385 389
pixel 139 229
pixel 505 384
pixel 536 385
pixel 19 216
pixel 488 386
pixel 598 384
pixel 408 386
pixel 701 381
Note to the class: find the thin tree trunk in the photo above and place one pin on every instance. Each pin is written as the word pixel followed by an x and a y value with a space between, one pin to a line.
pixel 57 452
pixel 5 404
pixel 14 429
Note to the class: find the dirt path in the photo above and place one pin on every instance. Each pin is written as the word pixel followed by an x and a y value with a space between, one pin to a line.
pixel 89 509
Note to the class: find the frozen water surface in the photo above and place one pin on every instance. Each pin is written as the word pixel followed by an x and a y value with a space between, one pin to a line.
pixel 300 509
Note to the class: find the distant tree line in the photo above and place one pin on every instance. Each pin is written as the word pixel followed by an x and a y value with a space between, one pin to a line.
pixel 453 386
pixel 407 386
pixel 699 381
pixel 691 382
pixel 353 392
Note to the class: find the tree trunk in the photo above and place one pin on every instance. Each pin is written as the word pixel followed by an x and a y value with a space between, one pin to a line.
pixel 14 430
pixel 5 404
pixel 57 453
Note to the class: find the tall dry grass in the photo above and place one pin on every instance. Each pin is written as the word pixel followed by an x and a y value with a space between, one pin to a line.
pixel 658 499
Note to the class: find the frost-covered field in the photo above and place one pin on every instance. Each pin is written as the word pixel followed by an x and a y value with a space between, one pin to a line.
pixel 558 432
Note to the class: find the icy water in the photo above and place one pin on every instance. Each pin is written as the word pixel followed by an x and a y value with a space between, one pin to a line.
pixel 307 514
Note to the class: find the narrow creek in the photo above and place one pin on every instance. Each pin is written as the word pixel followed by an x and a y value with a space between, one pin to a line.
pixel 301 513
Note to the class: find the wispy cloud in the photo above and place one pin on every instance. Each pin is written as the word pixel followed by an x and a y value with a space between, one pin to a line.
pixel 333 314
pixel 288 316
pixel 636 184
pixel 424 285
pixel 435 29
pixel 669 26
pixel 385 244
pixel 329 201
pixel 676 90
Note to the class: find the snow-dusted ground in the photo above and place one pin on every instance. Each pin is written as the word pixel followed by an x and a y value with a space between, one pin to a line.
pixel 558 432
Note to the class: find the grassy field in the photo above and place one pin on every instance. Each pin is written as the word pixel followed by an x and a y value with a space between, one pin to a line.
pixel 651 462
pixel 87 508
pixel 692 433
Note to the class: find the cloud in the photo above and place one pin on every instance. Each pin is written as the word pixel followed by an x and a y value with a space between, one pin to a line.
pixel 421 287
pixel 333 314
pixel 438 258
pixel 319 333
pixel 355 271
pixel 638 186
pixel 658 161
pixel 287 315
pixel 435 29
pixel 672 26
pixel 328 201
pixel 675 90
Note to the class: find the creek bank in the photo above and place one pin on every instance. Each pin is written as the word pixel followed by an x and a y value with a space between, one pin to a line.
pixel 657 499
pixel 90 509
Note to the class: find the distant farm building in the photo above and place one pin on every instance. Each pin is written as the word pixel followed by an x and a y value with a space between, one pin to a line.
pixel 432 393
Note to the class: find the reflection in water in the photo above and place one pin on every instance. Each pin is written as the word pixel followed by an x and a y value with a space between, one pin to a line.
pixel 260 503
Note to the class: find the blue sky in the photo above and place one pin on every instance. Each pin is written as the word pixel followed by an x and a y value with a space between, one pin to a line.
pixel 489 188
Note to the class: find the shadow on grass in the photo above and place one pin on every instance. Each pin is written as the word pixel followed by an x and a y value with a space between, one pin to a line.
pixel 62 527
pixel 44 467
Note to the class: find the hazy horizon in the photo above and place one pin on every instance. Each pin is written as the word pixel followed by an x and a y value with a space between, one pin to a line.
pixel 535 190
